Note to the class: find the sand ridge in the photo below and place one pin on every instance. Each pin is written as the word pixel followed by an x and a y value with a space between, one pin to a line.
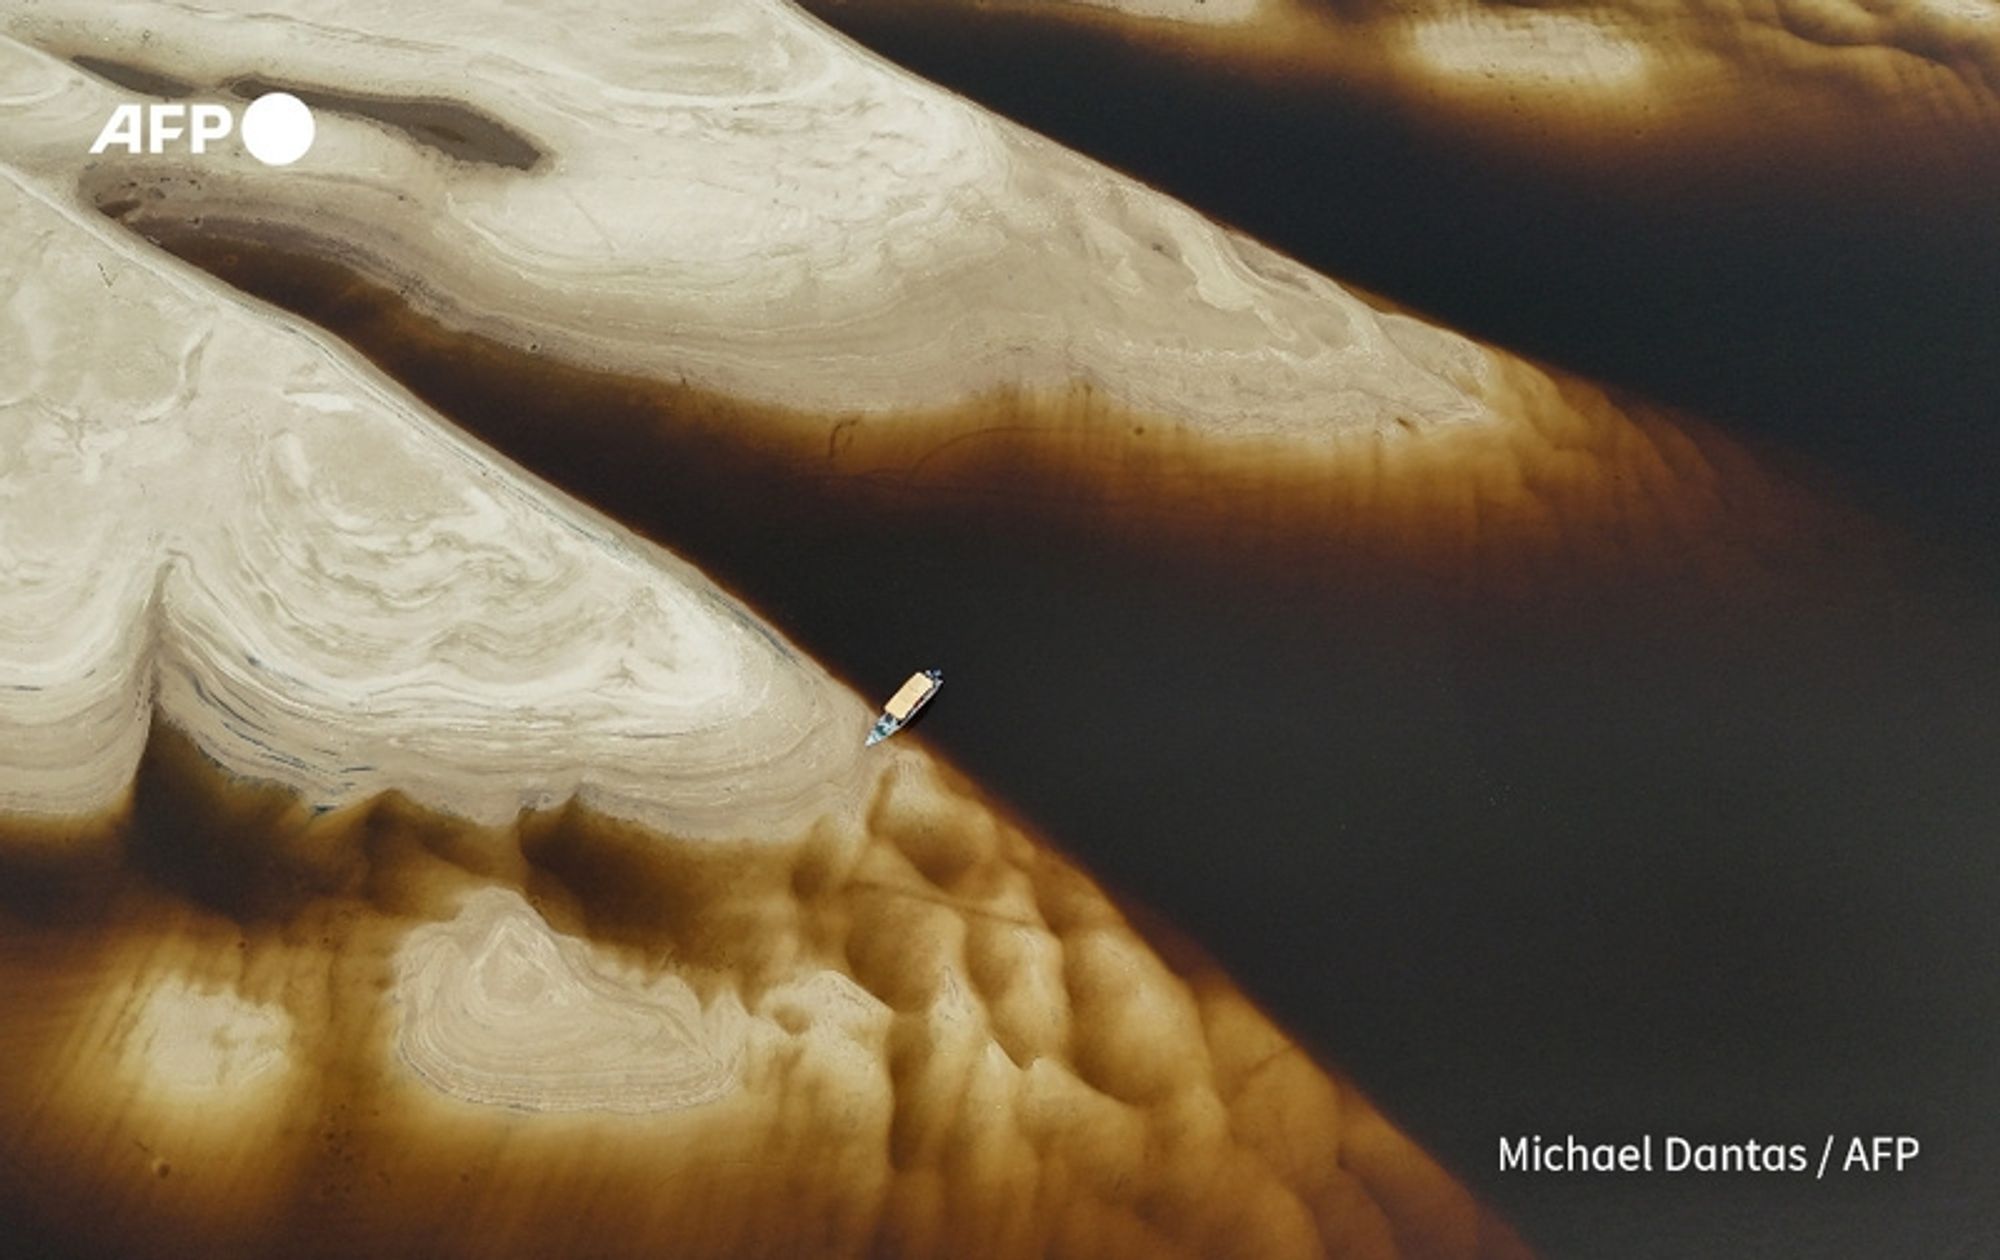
pixel 467 870
pixel 738 197
pixel 764 238
pixel 329 590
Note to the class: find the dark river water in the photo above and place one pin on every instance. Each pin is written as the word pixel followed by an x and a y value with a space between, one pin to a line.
pixel 1607 857
pixel 1680 866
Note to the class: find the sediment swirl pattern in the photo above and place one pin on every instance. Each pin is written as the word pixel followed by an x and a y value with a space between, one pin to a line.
pixel 330 591
pixel 733 196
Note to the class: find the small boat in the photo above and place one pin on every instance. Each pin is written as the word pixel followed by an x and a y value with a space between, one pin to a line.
pixel 904 705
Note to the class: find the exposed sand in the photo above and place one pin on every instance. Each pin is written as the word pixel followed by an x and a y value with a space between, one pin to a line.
pixel 736 197
pixel 566 889
pixel 208 514
pixel 498 1009
pixel 747 224
pixel 491 878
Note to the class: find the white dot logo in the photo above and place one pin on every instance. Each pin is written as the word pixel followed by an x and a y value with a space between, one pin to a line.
pixel 277 129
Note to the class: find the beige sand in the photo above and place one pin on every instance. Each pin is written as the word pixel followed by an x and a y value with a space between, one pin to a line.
pixel 498 886
pixel 738 198
pixel 786 243
pixel 209 514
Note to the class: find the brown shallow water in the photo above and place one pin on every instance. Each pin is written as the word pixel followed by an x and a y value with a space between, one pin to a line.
pixel 206 891
pixel 1675 822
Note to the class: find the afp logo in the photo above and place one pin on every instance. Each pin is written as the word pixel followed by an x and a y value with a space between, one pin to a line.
pixel 277 128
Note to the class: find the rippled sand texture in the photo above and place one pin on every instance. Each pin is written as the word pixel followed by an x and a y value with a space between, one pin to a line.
pixel 400 859
pixel 776 236
pixel 384 1031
